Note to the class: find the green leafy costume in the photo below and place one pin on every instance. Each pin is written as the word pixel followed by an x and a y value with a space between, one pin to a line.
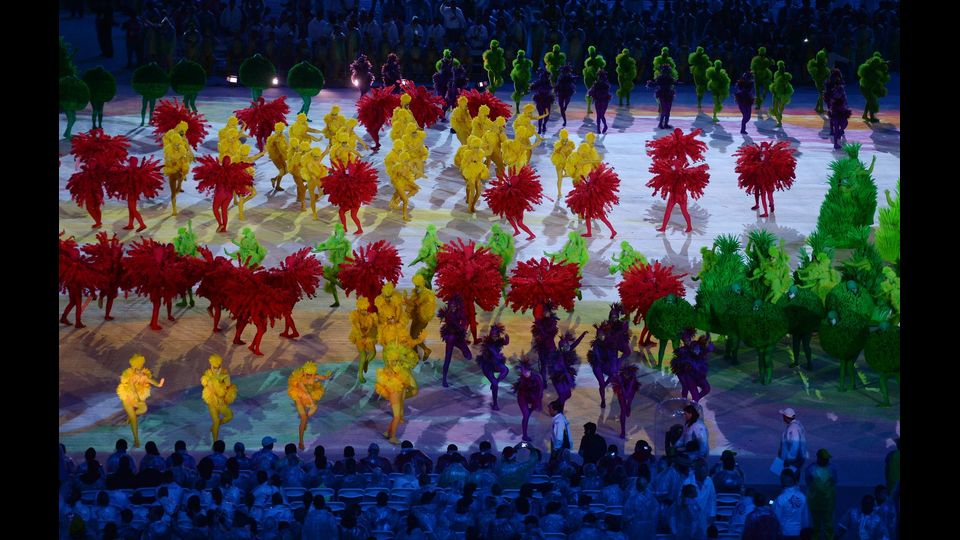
pixel 429 247
pixel 103 88
pixel 74 96
pixel 66 59
pixel 627 258
pixel 762 75
pixel 448 56
pixel 251 253
pixel 337 247
pixel 520 75
pixel 851 201
pixel 185 244
pixel 874 74
pixel 782 91
pixel 843 333
pixel 664 58
pixel 257 73
pixel 501 243
pixel 307 81
pixel 718 82
pixel 819 71
pixel 573 251
pixel 882 353
pixel 591 66
pixel 188 78
pixel 494 63
pixel 768 269
pixel 151 82
pixel 626 74
pixel 888 235
pixel 554 60
pixel 723 277
pixel 699 63
pixel 667 318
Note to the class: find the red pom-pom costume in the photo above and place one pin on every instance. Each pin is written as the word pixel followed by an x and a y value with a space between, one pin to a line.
pixel 642 285
pixel 170 113
pixel 425 106
pixel 471 272
pixel 497 108
pixel 224 180
pixel 349 186
pixel 676 145
pixel 77 276
pixel 297 276
pixel 369 268
pixel 374 109
pixel 217 274
pixel 98 156
pixel 512 193
pixel 594 196
pixel 154 270
pixel 251 299
pixel 132 180
pixel 536 283
pixel 763 168
pixel 106 257
pixel 673 178
pixel 260 118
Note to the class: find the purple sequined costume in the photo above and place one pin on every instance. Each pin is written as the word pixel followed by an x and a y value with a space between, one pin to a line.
pixel 391 73
pixel 600 93
pixel 665 93
pixel 745 97
pixel 610 348
pixel 691 363
pixel 564 363
pixel 453 331
pixel 544 332
pixel 529 390
pixel 566 87
pixel 835 98
pixel 543 98
pixel 362 73
pixel 625 386
pixel 491 359
pixel 443 77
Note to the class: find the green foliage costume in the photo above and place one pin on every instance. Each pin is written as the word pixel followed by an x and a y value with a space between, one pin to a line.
pixel 307 81
pixel 762 75
pixel 448 56
pixel 591 66
pixel 103 88
pixel 627 258
pixel 151 82
pixel 888 235
pixel 188 78
pixel 718 82
pixel 882 353
pixel 257 73
pixel 337 247
pixel 554 60
pixel 501 243
pixel 782 91
pixel 626 74
pixel 667 318
pixel 874 74
pixel 723 277
pixel 185 244
pixel 520 75
pixel 843 333
pixel 573 251
pixel 66 59
pixel 851 201
pixel 819 71
pixel 494 63
pixel 768 269
pixel 699 63
pixel 74 96
pixel 251 253
pixel 429 247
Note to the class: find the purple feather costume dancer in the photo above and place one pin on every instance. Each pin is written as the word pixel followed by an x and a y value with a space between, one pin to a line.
pixel 600 93
pixel 362 73
pixel 665 93
pixel 690 364
pixel 745 97
pixel 453 331
pixel 563 365
pixel 391 73
pixel 442 78
pixel 457 82
pixel 491 359
pixel 609 348
pixel 545 332
pixel 625 386
pixel 566 87
pixel 529 390
pixel 543 97
pixel 835 97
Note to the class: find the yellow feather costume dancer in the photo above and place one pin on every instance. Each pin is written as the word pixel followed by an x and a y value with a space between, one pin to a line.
pixel 305 389
pixel 133 391
pixel 278 148
pixel 177 157
pixel 218 393
pixel 561 152
pixel 363 334
pixel 421 308
pixel 395 381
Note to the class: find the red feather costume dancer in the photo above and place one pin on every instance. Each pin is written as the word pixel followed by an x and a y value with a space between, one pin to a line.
pixel 763 168
pixel 251 299
pixel 349 186
pixel 642 285
pixel 135 179
pixel 425 106
pixel 260 118
pixel 225 180
pixel 471 272
pixel 375 109
pixel 673 174
pixel 98 155
pixel 536 284
pixel 593 197
pixel 217 274
pixel 512 193
pixel 298 276
pixel 170 113
pixel 106 256
pixel 369 268
pixel 497 108
pixel 77 276
pixel 154 270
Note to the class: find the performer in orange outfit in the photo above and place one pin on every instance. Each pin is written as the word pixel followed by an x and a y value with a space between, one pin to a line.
pixel 218 393
pixel 133 391
pixel 305 390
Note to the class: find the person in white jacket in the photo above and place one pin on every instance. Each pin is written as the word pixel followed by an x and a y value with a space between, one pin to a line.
pixel 793 443
pixel 791 507
pixel 694 430
pixel 562 436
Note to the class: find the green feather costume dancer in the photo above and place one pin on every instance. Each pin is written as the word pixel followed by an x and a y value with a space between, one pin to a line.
pixel 762 75
pixel 554 60
pixel 819 72
pixel 718 82
pixel 494 64
pixel 520 75
pixel 874 74
pixel 699 64
pixel 782 91
pixel 591 66
pixel 337 246
pixel 626 74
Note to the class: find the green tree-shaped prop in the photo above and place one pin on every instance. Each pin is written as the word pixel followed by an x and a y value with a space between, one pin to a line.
pixel 74 96
pixel 188 78
pixel 762 75
pixel 819 71
pixel 718 82
pixel 851 201
pixel 151 82
pixel 494 63
pixel 257 73
pixel 666 319
pixel 554 60
pixel 591 66
pixel 699 64
pixel 888 235
pixel 762 327
pixel 307 81
pixel 882 353
pixel 520 75
pixel 844 332
pixel 874 74
pixel 626 73
pixel 103 88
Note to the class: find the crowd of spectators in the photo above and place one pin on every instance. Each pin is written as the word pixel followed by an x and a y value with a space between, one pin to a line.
pixel 331 33
pixel 522 493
